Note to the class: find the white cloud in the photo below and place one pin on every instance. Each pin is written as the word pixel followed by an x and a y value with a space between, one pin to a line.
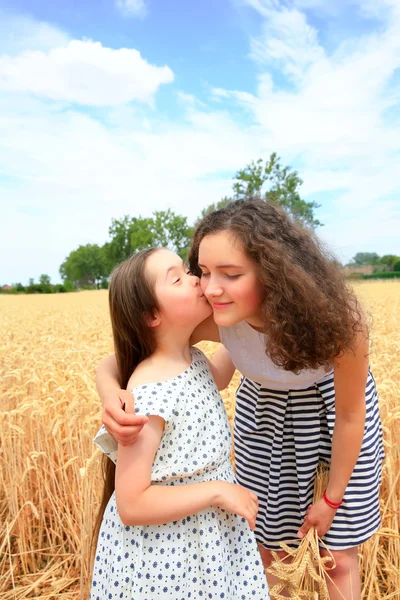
pixel 19 32
pixel 79 172
pixel 132 8
pixel 332 119
pixel 378 9
pixel 287 40
pixel 69 171
pixel 83 72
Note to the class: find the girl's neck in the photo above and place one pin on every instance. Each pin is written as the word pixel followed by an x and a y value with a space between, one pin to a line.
pixel 173 349
pixel 257 324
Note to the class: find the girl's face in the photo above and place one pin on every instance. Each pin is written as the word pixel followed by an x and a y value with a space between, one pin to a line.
pixel 182 302
pixel 230 280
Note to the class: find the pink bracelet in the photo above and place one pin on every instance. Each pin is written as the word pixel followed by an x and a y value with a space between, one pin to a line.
pixel 330 503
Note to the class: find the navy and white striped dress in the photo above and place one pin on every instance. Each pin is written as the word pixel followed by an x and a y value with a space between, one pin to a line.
pixel 283 429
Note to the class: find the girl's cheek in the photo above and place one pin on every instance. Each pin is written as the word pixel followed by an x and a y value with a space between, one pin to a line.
pixel 203 285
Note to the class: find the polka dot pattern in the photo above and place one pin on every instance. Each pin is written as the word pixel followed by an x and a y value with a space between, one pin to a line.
pixel 209 555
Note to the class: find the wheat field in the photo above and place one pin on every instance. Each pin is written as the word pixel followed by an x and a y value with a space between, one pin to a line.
pixel 49 411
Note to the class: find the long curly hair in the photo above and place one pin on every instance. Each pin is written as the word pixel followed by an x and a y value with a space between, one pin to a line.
pixel 310 315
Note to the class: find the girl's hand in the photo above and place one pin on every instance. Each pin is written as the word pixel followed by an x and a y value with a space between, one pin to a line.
pixel 318 515
pixel 239 500
pixel 123 426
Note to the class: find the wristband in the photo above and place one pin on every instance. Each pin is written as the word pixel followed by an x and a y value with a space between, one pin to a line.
pixel 330 503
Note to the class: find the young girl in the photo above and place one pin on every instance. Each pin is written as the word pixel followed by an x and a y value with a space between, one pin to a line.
pixel 298 336
pixel 171 528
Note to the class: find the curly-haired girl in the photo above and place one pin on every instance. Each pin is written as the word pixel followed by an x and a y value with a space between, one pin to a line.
pixel 298 336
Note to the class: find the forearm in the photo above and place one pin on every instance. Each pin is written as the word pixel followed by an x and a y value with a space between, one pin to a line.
pixel 346 444
pixel 158 505
pixel 107 377
pixel 222 367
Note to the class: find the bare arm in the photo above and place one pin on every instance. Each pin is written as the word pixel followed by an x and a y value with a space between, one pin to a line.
pixel 140 503
pixel 222 367
pixel 107 377
pixel 123 427
pixel 207 330
pixel 351 373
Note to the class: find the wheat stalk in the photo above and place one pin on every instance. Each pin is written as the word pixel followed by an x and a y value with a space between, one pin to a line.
pixel 49 473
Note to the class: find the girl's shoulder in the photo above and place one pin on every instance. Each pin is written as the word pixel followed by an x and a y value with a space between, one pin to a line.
pixel 157 373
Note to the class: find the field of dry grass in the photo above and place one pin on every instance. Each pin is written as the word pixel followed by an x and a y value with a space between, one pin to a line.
pixel 49 412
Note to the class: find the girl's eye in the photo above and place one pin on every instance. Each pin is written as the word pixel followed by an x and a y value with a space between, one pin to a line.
pixel 204 275
pixel 176 281
pixel 232 276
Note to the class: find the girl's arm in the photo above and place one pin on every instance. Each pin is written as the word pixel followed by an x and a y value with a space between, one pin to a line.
pixel 140 503
pixel 350 378
pixel 123 427
pixel 351 372
pixel 207 330
pixel 107 377
pixel 222 367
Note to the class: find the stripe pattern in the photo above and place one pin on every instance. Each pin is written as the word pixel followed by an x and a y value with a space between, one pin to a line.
pixel 280 437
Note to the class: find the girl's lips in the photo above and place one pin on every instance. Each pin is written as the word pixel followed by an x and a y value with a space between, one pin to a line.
pixel 219 305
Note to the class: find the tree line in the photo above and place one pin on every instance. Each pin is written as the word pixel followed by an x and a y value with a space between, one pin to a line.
pixel 89 266
pixel 382 267
pixel 391 262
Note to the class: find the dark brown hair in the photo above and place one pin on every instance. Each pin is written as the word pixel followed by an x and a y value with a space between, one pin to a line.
pixel 310 315
pixel 131 301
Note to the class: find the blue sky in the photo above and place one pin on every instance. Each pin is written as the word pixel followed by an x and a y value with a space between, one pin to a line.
pixel 122 107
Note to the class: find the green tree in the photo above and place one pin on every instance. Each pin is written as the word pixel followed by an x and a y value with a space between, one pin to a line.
pixel 273 183
pixel 44 280
pixel 44 286
pixel 365 258
pixel 171 231
pixel 389 260
pixel 212 207
pixel 18 287
pixel 128 235
pixel 85 266
pixel 132 234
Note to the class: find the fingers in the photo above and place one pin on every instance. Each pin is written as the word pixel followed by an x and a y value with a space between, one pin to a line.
pixel 121 419
pixel 253 510
pixel 129 405
pixel 251 521
pixel 119 416
pixel 305 528
pixel 124 435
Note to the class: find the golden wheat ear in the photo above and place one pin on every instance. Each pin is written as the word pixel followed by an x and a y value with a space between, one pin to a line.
pixel 302 572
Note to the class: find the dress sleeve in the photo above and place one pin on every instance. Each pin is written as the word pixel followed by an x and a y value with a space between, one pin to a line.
pixel 156 399
pixel 106 443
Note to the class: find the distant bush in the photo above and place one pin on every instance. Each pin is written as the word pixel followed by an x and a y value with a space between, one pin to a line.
pixel 396 266
pixel 40 288
pixel 357 276
pixel 383 275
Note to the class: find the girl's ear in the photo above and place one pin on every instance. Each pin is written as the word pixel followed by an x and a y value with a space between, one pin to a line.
pixel 153 320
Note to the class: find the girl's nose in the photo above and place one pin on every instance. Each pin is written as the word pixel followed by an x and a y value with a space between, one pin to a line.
pixel 195 281
pixel 212 288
